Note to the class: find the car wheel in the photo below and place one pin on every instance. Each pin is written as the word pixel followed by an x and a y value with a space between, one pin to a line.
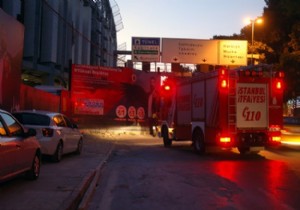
pixel 58 153
pixel 34 172
pixel 79 147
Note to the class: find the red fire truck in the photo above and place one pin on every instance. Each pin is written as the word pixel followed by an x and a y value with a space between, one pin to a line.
pixel 228 108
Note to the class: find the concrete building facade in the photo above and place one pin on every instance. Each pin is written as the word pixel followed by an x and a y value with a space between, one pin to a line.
pixel 59 33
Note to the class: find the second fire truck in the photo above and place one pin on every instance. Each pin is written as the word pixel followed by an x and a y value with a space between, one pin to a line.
pixel 227 108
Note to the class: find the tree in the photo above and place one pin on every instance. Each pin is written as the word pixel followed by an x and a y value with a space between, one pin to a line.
pixel 291 63
pixel 294 43
pixel 280 35
pixel 281 18
pixel 278 40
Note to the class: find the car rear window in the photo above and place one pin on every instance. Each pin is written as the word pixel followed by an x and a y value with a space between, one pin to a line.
pixel 32 119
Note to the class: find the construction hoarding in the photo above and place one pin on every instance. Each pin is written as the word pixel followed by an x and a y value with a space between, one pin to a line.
pixel 11 54
pixel 119 94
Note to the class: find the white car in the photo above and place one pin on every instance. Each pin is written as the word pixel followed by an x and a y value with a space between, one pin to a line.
pixel 55 132
pixel 19 149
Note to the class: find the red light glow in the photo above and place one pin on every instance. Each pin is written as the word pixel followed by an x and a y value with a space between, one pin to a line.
pixel 225 139
pixel 281 74
pixel 278 85
pixel 167 87
pixel 224 83
pixel 276 138
pixel 223 71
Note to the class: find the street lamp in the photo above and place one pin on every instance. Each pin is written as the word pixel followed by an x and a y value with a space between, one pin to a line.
pixel 253 21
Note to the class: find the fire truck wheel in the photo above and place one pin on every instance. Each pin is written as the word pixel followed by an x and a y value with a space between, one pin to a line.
pixel 198 141
pixel 166 139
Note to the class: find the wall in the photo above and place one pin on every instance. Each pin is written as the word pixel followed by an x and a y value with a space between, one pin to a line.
pixel 11 53
pixel 32 98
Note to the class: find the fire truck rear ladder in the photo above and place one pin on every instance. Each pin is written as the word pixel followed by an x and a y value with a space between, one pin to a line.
pixel 232 78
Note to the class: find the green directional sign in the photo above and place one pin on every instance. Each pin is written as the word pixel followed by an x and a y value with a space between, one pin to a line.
pixel 145 52
pixel 145 49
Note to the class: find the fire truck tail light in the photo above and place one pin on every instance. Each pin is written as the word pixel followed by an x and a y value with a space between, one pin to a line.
pixel 225 139
pixel 224 83
pixel 223 72
pixel 278 85
pixel 276 138
pixel 223 78
pixel 167 87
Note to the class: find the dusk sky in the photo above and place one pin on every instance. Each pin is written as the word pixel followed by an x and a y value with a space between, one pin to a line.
pixel 195 19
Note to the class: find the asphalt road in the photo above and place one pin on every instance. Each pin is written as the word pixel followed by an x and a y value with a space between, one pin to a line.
pixel 142 174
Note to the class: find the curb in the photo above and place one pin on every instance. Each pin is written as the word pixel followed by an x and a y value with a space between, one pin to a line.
pixel 87 188
pixel 74 199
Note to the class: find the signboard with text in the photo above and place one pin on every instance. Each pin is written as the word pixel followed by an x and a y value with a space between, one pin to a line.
pixel 197 51
pixel 193 51
pixel 118 94
pixel 252 105
pixel 97 89
pixel 145 49
pixel 233 52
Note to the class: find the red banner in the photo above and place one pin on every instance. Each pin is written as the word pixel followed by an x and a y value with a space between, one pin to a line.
pixel 116 93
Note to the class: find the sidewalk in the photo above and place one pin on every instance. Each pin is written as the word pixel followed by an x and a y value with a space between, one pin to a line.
pixel 115 131
pixel 68 185
pixel 80 198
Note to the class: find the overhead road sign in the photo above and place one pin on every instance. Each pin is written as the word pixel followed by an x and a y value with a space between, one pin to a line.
pixel 193 51
pixel 197 51
pixel 145 49
pixel 233 52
